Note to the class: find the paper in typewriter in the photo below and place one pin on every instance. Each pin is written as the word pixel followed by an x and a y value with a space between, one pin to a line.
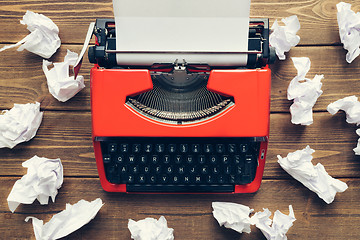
pixel 201 31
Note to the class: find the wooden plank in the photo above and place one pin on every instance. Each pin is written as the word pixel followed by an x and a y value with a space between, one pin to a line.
pixel 68 135
pixel 22 79
pixel 191 215
pixel 317 17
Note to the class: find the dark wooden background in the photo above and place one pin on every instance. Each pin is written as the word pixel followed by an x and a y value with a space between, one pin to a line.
pixel 66 133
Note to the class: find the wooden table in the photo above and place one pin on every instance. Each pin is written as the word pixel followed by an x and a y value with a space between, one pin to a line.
pixel 66 133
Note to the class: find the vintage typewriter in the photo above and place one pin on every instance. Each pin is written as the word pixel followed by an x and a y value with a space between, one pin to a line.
pixel 182 126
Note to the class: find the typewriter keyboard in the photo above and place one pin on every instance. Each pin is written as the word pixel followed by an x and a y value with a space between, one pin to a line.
pixel 180 164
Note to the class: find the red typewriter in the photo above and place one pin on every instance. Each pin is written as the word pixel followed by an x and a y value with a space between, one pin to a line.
pixel 180 125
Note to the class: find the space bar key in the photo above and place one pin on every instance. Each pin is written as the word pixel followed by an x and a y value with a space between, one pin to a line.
pixel 180 188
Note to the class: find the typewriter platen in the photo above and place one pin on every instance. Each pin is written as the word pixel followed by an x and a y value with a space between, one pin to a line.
pixel 180 126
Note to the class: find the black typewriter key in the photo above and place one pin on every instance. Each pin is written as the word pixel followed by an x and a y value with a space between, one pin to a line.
pixel 239 170
pixel 124 147
pixel 158 169
pixel 155 159
pixel 143 159
pixel 169 170
pixel 146 169
pixel 221 179
pixel 195 148
pixel 192 170
pixel 201 159
pixel 111 170
pixel 106 158
pixel 184 148
pixel 164 179
pixel 123 169
pixel 237 160
pixel 112 147
pixel 248 158
pixel 166 159
pixel 227 170
pixel 175 179
pixel 120 159
pixel 232 148
pixel 244 148
pixel 148 148
pixel 220 148
pixel 247 168
pixel 131 159
pixel 171 148
pixel 134 170
pixel 152 179
pixel 186 179
pixel 209 179
pixel 208 148
pixel 181 170
pixel 204 170
pixel 130 179
pixel 159 148
pixel 198 179
pixel 215 170
pixel 141 179
pixel 178 159
pixel 189 159
pixel 225 159
pixel 136 148
pixel 213 159
pixel 232 179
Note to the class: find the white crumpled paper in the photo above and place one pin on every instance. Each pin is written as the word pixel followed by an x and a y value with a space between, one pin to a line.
pixel 150 229
pixel 283 38
pixel 304 92
pixel 19 124
pixel 67 221
pixel 43 178
pixel 43 39
pixel 281 223
pixel 61 85
pixel 350 105
pixel 232 215
pixel 298 164
pixel 357 149
pixel 349 30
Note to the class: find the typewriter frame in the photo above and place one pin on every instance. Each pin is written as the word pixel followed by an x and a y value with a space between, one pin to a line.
pixel 112 117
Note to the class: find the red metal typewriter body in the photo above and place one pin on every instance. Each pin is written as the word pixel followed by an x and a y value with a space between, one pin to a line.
pixel 122 133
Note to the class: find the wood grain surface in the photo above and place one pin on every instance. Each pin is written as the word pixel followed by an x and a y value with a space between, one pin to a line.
pixel 191 215
pixel 66 133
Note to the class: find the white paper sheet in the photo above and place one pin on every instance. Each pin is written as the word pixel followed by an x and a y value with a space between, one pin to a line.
pixel 67 221
pixel 304 92
pixel 350 105
pixel 150 229
pixel 283 38
pixel 43 179
pixel 357 149
pixel 19 124
pixel 232 215
pixel 181 28
pixel 298 164
pixel 349 30
pixel 43 39
pixel 281 223
pixel 77 64
pixel 61 85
